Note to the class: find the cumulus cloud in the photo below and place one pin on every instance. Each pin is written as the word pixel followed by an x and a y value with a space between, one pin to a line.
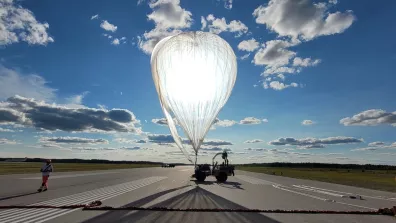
pixel 227 3
pixel 250 121
pixel 307 122
pixel 13 82
pixel 19 24
pixel 9 130
pixel 217 25
pixel 307 62
pixel 167 139
pixel 52 117
pixel 108 26
pixel 302 18
pixel 254 141
pixel 212 148
pixel 224 123
pixel 115 41
pixel 244 57
pixel 4 141
pixel 372 117
pixel 160 121
pixel 72 140
pixel 276 85
pixel 376 144
pixel 274 53
pixel 160 138
pixel 298 21
pixel 169 19
pixel 248 45
pixel 309 143
pixel 216 142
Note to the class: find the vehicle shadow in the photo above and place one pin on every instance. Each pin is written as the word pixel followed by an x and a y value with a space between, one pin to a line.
pixel 16 196
pixel 227 184
pixel 195 198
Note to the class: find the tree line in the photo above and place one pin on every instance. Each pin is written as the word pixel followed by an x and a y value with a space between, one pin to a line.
pixel 323 165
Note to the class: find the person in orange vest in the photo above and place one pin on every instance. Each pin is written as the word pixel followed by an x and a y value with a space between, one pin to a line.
pixel 45 170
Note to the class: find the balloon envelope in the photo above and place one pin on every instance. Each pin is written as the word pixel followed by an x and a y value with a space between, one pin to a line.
pixel 194 74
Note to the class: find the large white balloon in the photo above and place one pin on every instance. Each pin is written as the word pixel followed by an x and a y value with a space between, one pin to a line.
pixel 194 74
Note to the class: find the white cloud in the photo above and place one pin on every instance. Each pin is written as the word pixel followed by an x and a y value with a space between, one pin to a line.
pixel 254 141
pixel 95 16
pixel 169 19
pixel 72 140
pixel 75 101
pixel 302 18
pixel 53 117
pixel 244 57
pixel 248 45
pixel 203 22
pixel 19 24
pixel 108 26
pixel 129 141
pixel 12 82
pixel 274 54
pixel 307 62
pixel 281 76
pixel 309 143
pixel 115 42
pixel 250 121
pixel 276 85
pixel 372 117
pixel 167 14
pixel 224 123
pixel 4 141
pixel 307 122
pixel 279 70
pixel 9 130
pixel 217 25
pixel 376 144
pixel 227 3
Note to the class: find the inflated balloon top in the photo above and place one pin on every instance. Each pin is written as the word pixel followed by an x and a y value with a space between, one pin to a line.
pixel 194 74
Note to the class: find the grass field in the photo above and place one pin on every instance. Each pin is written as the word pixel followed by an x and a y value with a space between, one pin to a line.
pixel 16 168
pixel 372 179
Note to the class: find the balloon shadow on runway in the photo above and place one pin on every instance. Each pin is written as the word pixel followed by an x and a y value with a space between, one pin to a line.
pixel 195 198
pixel 227 184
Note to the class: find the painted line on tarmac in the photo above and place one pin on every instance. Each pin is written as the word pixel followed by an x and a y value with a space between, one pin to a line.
pixel 322 199
pixel 105 193
pixel 186 170
pixel 306 188
pixel 254 180
pixel 363 196
pixel 67 176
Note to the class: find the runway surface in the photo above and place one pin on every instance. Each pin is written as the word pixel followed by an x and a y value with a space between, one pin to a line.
pixel 173 187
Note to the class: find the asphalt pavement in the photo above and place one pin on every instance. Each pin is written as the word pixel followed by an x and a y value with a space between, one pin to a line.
pixel 174 188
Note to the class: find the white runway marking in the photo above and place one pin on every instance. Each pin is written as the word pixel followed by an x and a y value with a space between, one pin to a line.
pixel 254 180
pixel 42 215
pixel 320 198
pixel 306 188
pixel 186 170
pixel 363 196
pixel 66 176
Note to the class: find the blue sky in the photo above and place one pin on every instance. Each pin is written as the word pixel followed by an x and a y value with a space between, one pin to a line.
pixel 75 79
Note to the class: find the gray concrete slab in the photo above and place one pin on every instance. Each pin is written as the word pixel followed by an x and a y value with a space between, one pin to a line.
pixel 173 187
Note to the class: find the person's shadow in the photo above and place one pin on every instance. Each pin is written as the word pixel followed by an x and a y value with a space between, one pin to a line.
pixel 15 196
